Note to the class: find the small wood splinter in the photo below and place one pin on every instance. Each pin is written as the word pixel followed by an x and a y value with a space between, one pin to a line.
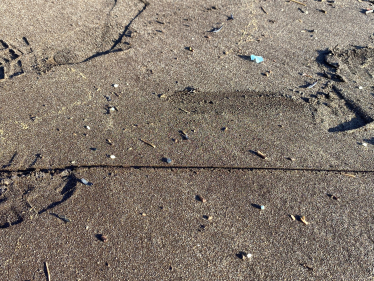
pixel 146 142
pixel 259 153
pixel 303 220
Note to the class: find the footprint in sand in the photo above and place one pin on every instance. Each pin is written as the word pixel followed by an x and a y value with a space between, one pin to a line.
pixel 55 33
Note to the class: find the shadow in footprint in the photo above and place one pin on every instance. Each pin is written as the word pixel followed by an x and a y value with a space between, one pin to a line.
pixel 371 141
pixel 354 123
pixel 68 191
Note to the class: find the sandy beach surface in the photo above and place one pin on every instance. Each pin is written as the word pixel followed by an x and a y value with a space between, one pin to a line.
pixel 141 140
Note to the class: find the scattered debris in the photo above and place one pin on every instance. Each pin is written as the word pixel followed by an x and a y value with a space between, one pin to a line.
pixel 312 85
pixel 260 154
pixel 184 135
pixel 244 255
pixel 167 160
pixel 86 182
pixel 102 237
pixel 298 2
pixel 215 30
pixel 47 271
pixel 200 198
pixel 303 220
pixel 184 110
pixel 306 266
pixel 63 218
pixel 334 197
pixel 257 59
pixel 267 73
pixel 292 217
pixel 348 175
pixel 146 142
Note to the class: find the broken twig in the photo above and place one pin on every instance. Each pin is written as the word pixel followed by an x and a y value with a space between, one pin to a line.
pixel 146 142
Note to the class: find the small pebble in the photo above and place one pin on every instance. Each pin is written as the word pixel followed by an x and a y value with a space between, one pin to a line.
pixel 86 182
pixel 364 144
pixel 88 128
pixel 112 156
pixel 115 85
pixel 103 238
pixel 144 214
pixel 360 87
pixel 168 160
pixel 200 198
pixel 262 207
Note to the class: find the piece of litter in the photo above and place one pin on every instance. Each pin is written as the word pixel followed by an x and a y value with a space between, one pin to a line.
pixel 200 198
pixel 298 2
pixel 257 59
pixel 303 220
pixel 364 144
pixel 86 182
pixel 259 153
pixel 334 197
pixel 103 238
pixel 215 30
pixel 88 127
pixel 150 144
pixel 369 11
pixel 349 175
pixel 262 207
pixel 63 218
pixel 312 85
pixel 115 85
pixel 112 156
pixel 292 217
pixel 47 271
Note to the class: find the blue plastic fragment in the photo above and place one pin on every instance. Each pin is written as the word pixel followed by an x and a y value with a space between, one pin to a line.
pixel 257 59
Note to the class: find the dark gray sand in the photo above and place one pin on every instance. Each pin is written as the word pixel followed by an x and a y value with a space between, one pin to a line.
pixel 139 141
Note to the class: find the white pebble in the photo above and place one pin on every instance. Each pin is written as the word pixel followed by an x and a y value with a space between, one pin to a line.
pixel 249 256
pixel 88 128
pixel 112 109
pixel 360 87
pixel 112 156
pixel 364 144
pixel 115 85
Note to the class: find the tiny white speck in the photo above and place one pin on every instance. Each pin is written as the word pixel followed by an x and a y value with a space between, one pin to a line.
pixel 115 85
pixel 360 87
pixel 88 128
pixel 249 256
pixel 112 156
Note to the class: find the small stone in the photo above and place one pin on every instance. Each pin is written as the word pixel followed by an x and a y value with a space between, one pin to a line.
pixel 209 218
pixel 200 198
pixel 115 85
pixel 103 238
pixel 360 87
pixel 144 214
pixel 88 127
pixel 364 144
pixel 112 156
pixel 86 182
pixel 262 207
